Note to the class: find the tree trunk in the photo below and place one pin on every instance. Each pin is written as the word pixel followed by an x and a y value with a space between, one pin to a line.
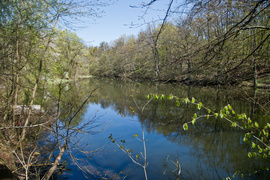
pixel 55 164
pixel 254 72
pixel 37 80
pixel 156 59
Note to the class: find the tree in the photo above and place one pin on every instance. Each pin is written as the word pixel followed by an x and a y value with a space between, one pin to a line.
pixel 222 27
pixel 27 37
pixel 69 51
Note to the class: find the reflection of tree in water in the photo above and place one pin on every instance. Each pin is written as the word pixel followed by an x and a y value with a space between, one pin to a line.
pixel 216 145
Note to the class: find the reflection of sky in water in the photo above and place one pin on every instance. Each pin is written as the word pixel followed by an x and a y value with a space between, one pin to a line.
pixel 159 150
pixel 210 150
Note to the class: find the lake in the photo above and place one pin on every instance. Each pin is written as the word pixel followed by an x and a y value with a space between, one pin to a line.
pixel 121 115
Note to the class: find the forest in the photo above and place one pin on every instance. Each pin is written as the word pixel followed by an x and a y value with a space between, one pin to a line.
pixel 209 42
pixel 216 42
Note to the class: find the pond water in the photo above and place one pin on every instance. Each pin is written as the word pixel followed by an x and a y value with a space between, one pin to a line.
pixel 211 149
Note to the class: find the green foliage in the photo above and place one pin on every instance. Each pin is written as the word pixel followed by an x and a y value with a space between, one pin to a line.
pixel 185 126
pixel 196 40
pixel 257 137
pixel 170 96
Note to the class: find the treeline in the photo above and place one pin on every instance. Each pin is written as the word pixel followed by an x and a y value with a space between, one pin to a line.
pixel 215 42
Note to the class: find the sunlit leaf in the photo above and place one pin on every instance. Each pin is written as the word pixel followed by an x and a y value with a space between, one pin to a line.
pixel 185 126
pixel 256 125
pixel 185 100
pixel 221 115
pixel 170 97
pixel 193 121
pixel 195 116
pixel 162 96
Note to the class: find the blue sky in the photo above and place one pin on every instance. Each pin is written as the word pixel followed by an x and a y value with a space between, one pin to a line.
pixel 117 20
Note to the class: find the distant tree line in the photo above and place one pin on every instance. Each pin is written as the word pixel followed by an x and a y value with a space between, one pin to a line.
pixel 214 42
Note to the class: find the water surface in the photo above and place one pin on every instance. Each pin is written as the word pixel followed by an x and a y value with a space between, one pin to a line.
pixel 211 149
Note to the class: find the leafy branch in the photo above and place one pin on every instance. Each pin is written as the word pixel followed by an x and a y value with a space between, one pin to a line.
pixel 252 128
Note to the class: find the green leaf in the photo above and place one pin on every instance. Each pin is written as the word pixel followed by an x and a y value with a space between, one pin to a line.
pixel 177 103
pixel 253 145
pixel 199 106
pixel 209 111
pixel 194 118
pixel 247 135
pixel 230 107
pixel 234 124
pixel 185 100
pixel 185 126
pixel 162 96
pixel 216 115
pixel 170 97
pixel 249 154
pixel 256 125
pixel 149 96
pixel 156 96
pixel 193 100
pixel 221 115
